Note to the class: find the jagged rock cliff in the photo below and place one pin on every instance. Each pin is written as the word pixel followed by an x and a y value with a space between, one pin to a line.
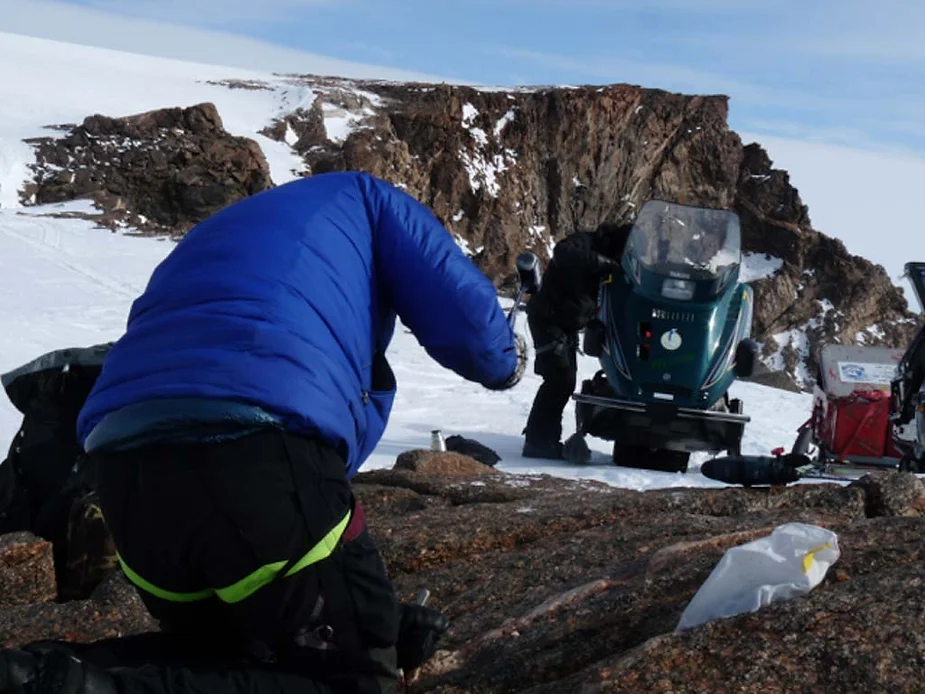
pixel 504 170
pixel 821 293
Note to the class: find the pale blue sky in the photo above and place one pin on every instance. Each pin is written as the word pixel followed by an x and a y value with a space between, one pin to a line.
pixel 848 72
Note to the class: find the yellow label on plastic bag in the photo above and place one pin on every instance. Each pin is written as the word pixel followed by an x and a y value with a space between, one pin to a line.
pixel 810 556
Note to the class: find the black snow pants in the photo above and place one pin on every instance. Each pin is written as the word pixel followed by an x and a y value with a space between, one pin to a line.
pixel 556 360
pixel 254 556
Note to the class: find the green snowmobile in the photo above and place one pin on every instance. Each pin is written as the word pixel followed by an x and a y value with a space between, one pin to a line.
pixel 672 334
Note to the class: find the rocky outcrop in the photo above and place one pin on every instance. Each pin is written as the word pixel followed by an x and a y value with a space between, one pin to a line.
pixel 509 170
pixel 555 585
pixel 162 170
pixel 504 170
pixel 443 464
pixel 114 609
pixel 559 586
pixel 33 606
pixel 821 294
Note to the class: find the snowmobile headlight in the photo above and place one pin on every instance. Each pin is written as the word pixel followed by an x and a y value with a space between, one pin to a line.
pixel 683 290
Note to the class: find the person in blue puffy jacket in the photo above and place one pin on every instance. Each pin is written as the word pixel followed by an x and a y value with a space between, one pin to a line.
pixel 249 386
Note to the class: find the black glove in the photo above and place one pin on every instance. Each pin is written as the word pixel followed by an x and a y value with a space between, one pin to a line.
pixel 16 668
pixel 418 632
pixel 61 673
pixel 520 344
pixel 520 347
pixel 606 264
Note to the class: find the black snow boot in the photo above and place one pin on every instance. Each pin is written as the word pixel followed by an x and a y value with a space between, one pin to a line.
pixel 16 668
pixel 551 450
pixel 61 673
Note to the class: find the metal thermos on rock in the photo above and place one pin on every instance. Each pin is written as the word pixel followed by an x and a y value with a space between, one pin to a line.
pixel 437 442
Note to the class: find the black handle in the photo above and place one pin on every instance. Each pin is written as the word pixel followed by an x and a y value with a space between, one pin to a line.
pixel 752 471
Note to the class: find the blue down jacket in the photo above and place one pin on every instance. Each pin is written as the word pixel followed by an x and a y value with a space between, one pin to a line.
pixel 282 306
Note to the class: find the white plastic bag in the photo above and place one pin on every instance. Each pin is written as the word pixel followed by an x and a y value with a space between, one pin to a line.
pixel 791 561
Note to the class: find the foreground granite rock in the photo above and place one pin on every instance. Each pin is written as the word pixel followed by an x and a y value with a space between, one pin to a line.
pixel 27 570
pixel 114 609
pixel 555 585
pixel 861 631
pixel 559 586
pixel 442 464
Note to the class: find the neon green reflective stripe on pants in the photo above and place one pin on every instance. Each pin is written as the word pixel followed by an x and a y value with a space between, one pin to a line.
pixel 251 583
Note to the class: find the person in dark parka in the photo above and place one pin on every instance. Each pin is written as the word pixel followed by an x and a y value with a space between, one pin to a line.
pixel 227 422
pixel 564 305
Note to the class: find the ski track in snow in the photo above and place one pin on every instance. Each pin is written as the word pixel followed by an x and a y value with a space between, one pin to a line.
pixel 65 283
pixel 48 246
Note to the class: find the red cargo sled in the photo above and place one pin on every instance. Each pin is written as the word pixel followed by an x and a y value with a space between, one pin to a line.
pixel 850 422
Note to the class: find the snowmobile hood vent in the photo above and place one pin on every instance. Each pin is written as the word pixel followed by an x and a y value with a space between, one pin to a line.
pixel 675 316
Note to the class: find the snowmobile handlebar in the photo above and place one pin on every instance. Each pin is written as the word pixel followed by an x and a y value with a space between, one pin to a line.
pixel 529 274
pixel 528 269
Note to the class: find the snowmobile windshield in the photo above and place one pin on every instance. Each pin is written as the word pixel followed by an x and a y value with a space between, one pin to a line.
pixel 916 274
pixel 699 243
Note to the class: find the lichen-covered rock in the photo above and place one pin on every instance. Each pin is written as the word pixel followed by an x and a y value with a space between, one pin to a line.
pixel 893 493
pixel 442 463
pixel 557 585
pixel 27 570
pixel 114 609
pixel 859 631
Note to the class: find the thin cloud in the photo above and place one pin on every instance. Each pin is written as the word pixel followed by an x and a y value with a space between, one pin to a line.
pixel 883 49
pixel 618 6
pixel 866 106
pixel 788 31
pixel 888 31
pixel 610 69
pixel 671 77
pixel 373 51
pixel 75 24
pixel 853 139
pixel 208 12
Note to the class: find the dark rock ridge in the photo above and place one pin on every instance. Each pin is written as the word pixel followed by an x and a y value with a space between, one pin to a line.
pixel 504 170
pixel 567 586
pixel 822 293
pixel 162 170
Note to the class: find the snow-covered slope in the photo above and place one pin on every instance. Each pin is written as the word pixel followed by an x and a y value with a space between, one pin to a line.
pixel 49 83
pixel 64 283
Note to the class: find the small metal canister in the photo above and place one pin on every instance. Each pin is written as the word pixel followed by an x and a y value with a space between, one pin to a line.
pixel 437 442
